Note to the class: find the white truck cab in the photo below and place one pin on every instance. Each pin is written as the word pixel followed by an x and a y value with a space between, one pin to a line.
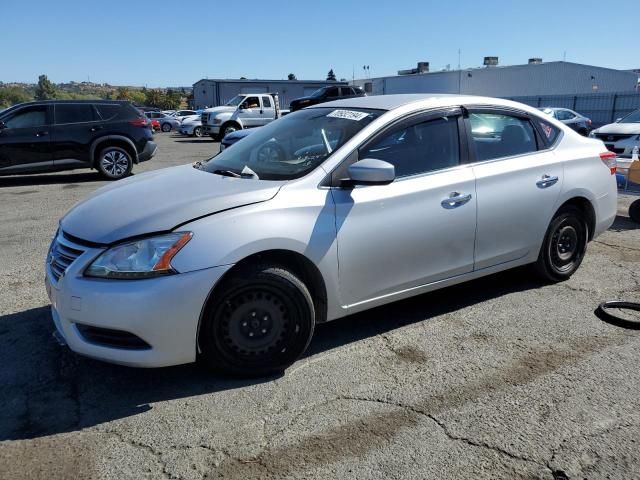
pixel 247 110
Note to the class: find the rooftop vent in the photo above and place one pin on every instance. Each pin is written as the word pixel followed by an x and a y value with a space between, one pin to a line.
pixel 490 61
pixel 535 61
pixel 423 67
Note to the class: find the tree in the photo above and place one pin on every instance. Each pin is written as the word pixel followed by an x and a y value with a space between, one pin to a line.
pixel 45 89
pixel 12 95
pixel 291 76
pixel 331 76
pixel 123 94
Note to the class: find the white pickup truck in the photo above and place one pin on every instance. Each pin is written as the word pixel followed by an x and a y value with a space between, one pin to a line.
pixel 247 110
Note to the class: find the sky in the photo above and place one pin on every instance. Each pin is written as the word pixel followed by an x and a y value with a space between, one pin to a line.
pixel 159 43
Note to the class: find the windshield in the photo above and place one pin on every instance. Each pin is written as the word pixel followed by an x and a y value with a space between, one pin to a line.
pixel 294 145
pixel 235 101
pixel 317 93
pixel 633 117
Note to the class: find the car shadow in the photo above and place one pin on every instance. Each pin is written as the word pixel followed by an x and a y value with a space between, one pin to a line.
pixel 197 140
pixel 47 389
pixel 623 224
pixel 50 179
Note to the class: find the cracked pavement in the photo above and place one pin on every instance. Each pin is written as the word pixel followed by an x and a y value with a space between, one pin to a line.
pixel 503 377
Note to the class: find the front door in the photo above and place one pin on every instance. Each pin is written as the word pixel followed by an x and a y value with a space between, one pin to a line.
pixel 518 181
pixel 25 140
pixel 417 230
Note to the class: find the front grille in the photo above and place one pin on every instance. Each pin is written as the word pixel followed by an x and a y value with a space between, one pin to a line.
pixel 204 118
pixel 112 338
pixel 612 137
pixel 62 254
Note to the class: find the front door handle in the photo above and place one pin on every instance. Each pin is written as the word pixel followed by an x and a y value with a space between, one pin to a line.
pixel 96 128
pixel 455 200
pixel 547 181
pixel 42 134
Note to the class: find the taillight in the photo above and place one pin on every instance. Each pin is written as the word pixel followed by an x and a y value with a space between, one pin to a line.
pixel 609 159
pixel 139 122
pixel 588 121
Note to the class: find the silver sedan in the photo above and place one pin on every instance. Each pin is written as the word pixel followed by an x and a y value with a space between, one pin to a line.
pixel 328 211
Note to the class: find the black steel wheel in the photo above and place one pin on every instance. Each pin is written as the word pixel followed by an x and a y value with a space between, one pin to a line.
pixel 634 211
pixel 564 245
pixel 258 322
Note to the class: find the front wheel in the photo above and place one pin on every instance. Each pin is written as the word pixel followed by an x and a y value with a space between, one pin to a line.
pixel 197 132
pixel 564 246
pixel 114 163
pixel 634 211
pixel 166 127
pixel 227 129
pixel 260 321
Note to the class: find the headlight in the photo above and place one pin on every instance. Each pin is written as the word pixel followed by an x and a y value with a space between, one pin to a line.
pixel 217 121
pixel 148 257
pixel 592 134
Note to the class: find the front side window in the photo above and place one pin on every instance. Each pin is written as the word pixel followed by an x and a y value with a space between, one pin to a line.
pixel 29 117
pixel 74 113
pixel 419 148
pixel 499 135
pixel 251 102
pixel 292 146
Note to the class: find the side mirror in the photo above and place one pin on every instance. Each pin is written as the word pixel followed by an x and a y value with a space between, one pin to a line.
pixel 242 106
pixel 2 125
pixel 370 172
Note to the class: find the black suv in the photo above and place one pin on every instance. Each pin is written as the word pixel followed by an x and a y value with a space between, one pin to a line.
pixel 54 135
pixel 326 94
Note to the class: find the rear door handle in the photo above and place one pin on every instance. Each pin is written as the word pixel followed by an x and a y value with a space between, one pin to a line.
pixel 547 181
pixel 95 129
pixel 455 200
pixel 42 134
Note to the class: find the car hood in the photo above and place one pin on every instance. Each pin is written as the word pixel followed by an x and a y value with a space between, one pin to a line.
pixel 620 128
pixel 302 99
pixel 159 201
pixel 220 109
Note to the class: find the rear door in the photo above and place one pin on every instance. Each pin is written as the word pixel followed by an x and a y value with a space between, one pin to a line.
pixel 268 111
pixel 518 181
pixel 77 125
pixel 25 140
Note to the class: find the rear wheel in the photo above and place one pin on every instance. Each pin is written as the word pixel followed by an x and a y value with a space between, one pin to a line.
pixel 564 245
pixel 634 211
pixel 114 163
pixel 260 321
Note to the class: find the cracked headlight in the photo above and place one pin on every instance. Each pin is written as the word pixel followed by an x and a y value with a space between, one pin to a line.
pixel 144 258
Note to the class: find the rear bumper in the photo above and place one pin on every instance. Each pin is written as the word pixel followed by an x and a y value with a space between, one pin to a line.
pixel 149 151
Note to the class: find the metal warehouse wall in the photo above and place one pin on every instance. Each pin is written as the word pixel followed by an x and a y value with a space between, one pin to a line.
pixel 552 78
pixel 601 109
pixel 212 93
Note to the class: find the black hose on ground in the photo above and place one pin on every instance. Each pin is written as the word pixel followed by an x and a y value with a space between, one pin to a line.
pixel 603 312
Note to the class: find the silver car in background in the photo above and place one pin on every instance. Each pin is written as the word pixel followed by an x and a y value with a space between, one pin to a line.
pixel 574 120
pixel 329 211
pixel 622 136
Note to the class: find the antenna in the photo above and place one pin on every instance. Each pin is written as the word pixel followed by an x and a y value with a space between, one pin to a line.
pixel 459 52
pixel 564 56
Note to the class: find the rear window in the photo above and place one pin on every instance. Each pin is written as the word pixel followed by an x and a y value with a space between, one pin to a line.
pixel 108 111
pixel 74 113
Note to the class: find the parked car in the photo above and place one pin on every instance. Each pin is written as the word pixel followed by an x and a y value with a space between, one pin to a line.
pixel 242 111
pixel 234 137
pixel 47 136
pixel 622 136
pixel 579 123
pixel 250 252
pixel 191 125
pixel 155 124
pixel 181 114
pixel 326 94
pixel 166 122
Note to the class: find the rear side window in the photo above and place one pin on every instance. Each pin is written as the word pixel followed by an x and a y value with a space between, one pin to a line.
pixel 346 91
pixel 332 92
pixel 266 102
pixel 108 111
pixel 499 135
pixel 549 132
pixel 419 148
pixel 74 113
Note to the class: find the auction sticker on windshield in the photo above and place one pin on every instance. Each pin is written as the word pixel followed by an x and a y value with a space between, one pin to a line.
pixel 348 114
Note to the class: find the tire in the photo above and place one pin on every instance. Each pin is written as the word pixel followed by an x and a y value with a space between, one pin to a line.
pixel 114 163
pixel 197 132
pixel 270 152
pixel 583 132
pixel 166 127
pixel 258 323
pixel 634 211
pixel 564 245
pixel 229 128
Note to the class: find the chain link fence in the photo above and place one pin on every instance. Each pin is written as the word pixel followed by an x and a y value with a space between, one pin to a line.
pixel 601 108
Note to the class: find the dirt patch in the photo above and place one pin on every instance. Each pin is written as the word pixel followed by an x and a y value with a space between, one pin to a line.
pixel 411 354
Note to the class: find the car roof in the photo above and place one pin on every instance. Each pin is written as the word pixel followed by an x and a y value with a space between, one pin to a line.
pixel 424 100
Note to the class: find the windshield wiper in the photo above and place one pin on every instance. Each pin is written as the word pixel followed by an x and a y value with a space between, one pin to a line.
pixel 227 173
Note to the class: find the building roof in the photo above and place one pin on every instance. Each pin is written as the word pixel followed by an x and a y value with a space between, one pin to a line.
pixel 258 80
